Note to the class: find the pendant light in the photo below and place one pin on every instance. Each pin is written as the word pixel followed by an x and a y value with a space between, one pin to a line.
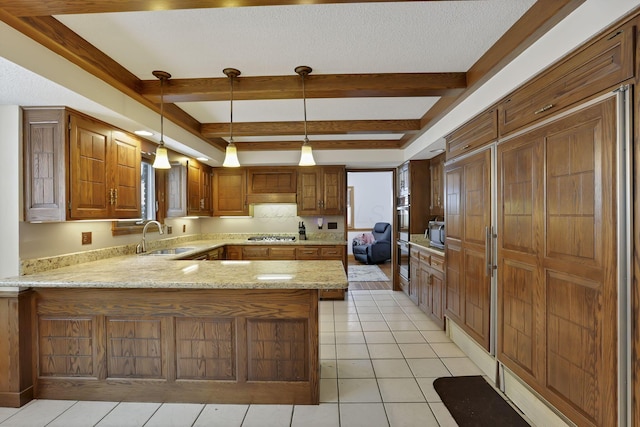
pixel 162 159
pixel 306 155
pixel 231 153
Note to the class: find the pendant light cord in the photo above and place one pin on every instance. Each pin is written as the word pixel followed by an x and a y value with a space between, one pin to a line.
pixel 304 102
pixel 162 111
pixel 231 118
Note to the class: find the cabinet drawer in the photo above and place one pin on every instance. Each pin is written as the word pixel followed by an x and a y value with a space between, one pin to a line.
pixel 415 254
pixel 308 253
pixel 602 65
pixel 332 252
pixel 477 132
pixel 424 256
pixel 437 263
pixel 282 253
pixel 256 253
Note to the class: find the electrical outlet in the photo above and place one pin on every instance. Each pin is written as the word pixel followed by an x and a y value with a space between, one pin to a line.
pixel 169 229
pixel 332 225
pixel 184 228
pixel 86 237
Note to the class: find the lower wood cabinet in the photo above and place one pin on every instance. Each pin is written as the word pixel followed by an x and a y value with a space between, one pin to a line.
pixel 426 285
pixel 292 252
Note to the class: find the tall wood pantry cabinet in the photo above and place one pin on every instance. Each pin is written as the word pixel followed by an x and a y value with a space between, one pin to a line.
pixel 78 168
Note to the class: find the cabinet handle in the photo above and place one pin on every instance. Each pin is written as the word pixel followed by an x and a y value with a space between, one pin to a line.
pixel 543 109
pixel 201 203
pixel 466 146
pixel 488 231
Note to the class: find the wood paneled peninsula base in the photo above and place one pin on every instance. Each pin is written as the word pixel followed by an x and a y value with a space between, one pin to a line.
pixel 161 343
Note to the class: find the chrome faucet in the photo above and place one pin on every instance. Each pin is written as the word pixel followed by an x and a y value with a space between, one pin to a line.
pixel 142 246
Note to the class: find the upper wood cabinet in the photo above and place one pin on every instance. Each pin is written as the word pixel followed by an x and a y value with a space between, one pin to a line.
pixel 45 165
pixel 436 168
pixel 321 190
pixel 78 168
pixel 199 192
pixel 477 132
pixel 600 66
pixel 272 185
pixel 230 192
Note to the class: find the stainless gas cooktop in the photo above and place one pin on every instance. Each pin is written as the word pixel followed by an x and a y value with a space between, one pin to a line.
pixel 272 238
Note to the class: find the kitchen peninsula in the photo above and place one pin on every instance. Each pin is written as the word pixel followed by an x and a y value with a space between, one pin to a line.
pixel 158 328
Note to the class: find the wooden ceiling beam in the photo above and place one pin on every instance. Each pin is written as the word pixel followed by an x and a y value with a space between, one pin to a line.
pixel 220 130
pixel 68 7
pixel 368 144
pixel 316 86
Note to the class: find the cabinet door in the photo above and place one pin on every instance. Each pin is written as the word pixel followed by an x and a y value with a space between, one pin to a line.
pixel 229 192
pixel 125 175
pixel 177 191
pixel 557 252
pixel 194 178
pixel 255 252
pixel 437 297
pixel 467 214
pixel 282 253
pixel 90 191
pixel 233 252
pixel 198 189
pixel 333 192
pixel 309 199
pixel 45 165
pixel 425 291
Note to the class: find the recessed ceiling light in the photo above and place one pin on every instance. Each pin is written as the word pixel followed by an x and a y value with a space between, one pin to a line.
pixel 202 159
pixel 143 133
pixel 438 150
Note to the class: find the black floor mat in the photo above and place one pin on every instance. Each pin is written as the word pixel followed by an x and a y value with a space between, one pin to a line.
pixel 473 402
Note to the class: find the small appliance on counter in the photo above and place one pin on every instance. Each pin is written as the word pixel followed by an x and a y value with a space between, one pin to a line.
pixel 302 231
pixel 435 233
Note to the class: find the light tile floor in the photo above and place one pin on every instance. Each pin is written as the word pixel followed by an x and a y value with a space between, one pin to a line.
pixel 379 356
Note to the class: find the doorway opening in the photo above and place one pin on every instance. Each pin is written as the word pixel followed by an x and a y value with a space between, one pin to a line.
pixel 370 200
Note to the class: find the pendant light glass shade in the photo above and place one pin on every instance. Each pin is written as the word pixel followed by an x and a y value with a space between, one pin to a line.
pixel 231 156
pixel 231 153
pixel 162 159
pixel 306 154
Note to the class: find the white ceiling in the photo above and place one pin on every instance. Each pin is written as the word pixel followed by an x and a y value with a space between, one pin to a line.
pixel 404 37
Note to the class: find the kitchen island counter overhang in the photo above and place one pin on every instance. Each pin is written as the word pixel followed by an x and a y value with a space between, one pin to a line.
pixel 144 328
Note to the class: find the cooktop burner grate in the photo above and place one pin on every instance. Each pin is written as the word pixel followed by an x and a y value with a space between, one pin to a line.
pixel 272 238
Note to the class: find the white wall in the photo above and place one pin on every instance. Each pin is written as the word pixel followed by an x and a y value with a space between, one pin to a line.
pixel 373 200
pixel 51 239
pixel 10 190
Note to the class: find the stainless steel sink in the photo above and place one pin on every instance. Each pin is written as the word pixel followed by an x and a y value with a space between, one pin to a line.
pixel 170 251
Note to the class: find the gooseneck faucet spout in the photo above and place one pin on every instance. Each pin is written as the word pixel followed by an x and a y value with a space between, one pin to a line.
pixel 142 246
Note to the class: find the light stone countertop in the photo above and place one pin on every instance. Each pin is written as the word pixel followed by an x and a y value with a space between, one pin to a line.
pixel 142 271
pixel 424 244
pixel 168 271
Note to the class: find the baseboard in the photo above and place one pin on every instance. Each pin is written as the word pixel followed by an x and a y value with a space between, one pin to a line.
pixel 537 410
pixel 477 354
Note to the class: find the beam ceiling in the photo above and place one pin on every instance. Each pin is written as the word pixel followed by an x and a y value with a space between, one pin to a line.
pixel 35 18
